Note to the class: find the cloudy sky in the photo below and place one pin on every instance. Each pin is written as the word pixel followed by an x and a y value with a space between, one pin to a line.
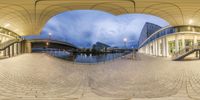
pixel 84 28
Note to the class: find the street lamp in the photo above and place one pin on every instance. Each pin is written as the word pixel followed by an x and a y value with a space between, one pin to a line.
pixel 125 41
pixel 50 35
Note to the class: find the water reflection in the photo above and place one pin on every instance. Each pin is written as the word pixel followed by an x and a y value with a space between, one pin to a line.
pixel 86 57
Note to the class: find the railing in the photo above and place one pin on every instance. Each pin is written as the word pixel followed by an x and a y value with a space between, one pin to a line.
pixel 7 43
pixel 185 50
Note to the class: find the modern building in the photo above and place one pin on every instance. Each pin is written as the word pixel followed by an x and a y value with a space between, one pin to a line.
pixel 100 47
pixel 172 41
pixel 147 31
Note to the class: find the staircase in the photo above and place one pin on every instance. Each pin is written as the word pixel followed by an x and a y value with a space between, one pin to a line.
pixel 10 48
pixel 185 52
pixel 6 44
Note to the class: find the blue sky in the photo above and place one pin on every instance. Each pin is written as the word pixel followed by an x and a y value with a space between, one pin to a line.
pixel 86 27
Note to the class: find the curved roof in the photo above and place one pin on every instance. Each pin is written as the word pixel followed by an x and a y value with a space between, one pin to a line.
pixel 28 17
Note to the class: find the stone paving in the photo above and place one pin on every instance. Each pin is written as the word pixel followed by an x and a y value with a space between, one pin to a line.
pixel 39 76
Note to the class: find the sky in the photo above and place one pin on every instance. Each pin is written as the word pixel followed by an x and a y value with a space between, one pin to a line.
pixel 84 28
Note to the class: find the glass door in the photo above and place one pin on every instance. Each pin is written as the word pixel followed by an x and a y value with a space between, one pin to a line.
pixel 198 42
pixel 180 44
pixel 171 45
pixel 189 42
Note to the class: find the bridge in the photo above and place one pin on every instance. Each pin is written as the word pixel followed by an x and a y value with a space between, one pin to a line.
pixel 12 44
pixel 47 44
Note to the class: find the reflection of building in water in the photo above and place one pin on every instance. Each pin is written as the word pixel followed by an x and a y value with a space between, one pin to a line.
pixel 100 47
pixel 170 40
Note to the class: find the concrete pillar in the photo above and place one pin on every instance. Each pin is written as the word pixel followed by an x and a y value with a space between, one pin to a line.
pixel 158 47
pixel 13 50
pixel 1 38
pixel 149 49
pixel 8 51
pixel 149 46
pixel 176 43
pixel 22 47
pixel 17 48
pixel 199 54
pixel 196 54
pixel 183 41
pixel 154 48
pixel 28 48
pixel 166 47
pixel 146 49
pixel 195 40
pixel 4 53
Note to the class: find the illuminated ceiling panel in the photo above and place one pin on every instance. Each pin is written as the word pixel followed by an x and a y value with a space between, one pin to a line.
pixel 27 17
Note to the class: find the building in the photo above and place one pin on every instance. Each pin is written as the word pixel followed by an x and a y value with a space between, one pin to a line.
pixel 172 41
pixel 100 47
pixel 147 31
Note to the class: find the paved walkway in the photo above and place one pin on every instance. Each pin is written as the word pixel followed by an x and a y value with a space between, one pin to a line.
pixel 39 76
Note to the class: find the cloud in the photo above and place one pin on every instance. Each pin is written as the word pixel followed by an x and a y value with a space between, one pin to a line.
pixel 83 27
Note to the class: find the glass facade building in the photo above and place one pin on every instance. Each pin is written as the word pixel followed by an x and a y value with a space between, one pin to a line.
pixel 169 40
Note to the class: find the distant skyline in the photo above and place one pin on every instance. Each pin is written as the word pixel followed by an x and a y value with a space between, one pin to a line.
pixel 86 27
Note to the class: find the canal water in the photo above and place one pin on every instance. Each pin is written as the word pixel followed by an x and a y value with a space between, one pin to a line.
pixel 86 58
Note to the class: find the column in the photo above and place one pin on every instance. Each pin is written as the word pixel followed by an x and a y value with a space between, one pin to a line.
pixel 4 53
pixel 158 47
pixel 8 51
pixel 17 48
pixel 166 47
pixel 195 40
pixel 13 50
pixel 149 49
pixel 183 41
pixel 176 43
pixel 199 54
pixel 153 47
pixel 146 49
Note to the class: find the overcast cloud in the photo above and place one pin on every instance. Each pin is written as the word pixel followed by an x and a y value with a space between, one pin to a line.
pixel 84 28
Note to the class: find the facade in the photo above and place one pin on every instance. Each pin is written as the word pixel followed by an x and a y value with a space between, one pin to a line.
pixel 147 31
pixel 9 43
pixel 100 47
pixel 169 40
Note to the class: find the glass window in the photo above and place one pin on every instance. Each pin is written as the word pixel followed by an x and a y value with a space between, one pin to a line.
pixel 171 46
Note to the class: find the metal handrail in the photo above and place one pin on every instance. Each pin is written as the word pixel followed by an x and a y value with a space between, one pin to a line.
pixel 185 50
pixel 7 43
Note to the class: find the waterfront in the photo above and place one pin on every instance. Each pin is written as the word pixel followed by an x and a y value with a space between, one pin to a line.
pixel 87 57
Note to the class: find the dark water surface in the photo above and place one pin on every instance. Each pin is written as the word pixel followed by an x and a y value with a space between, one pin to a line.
pixel 86 58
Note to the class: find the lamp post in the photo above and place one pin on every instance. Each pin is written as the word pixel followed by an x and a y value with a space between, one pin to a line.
pixel 125 41
pixel 50 35
pixel 49 38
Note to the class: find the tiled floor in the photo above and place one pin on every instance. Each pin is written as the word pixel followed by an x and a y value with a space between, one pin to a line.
pixel 39 76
